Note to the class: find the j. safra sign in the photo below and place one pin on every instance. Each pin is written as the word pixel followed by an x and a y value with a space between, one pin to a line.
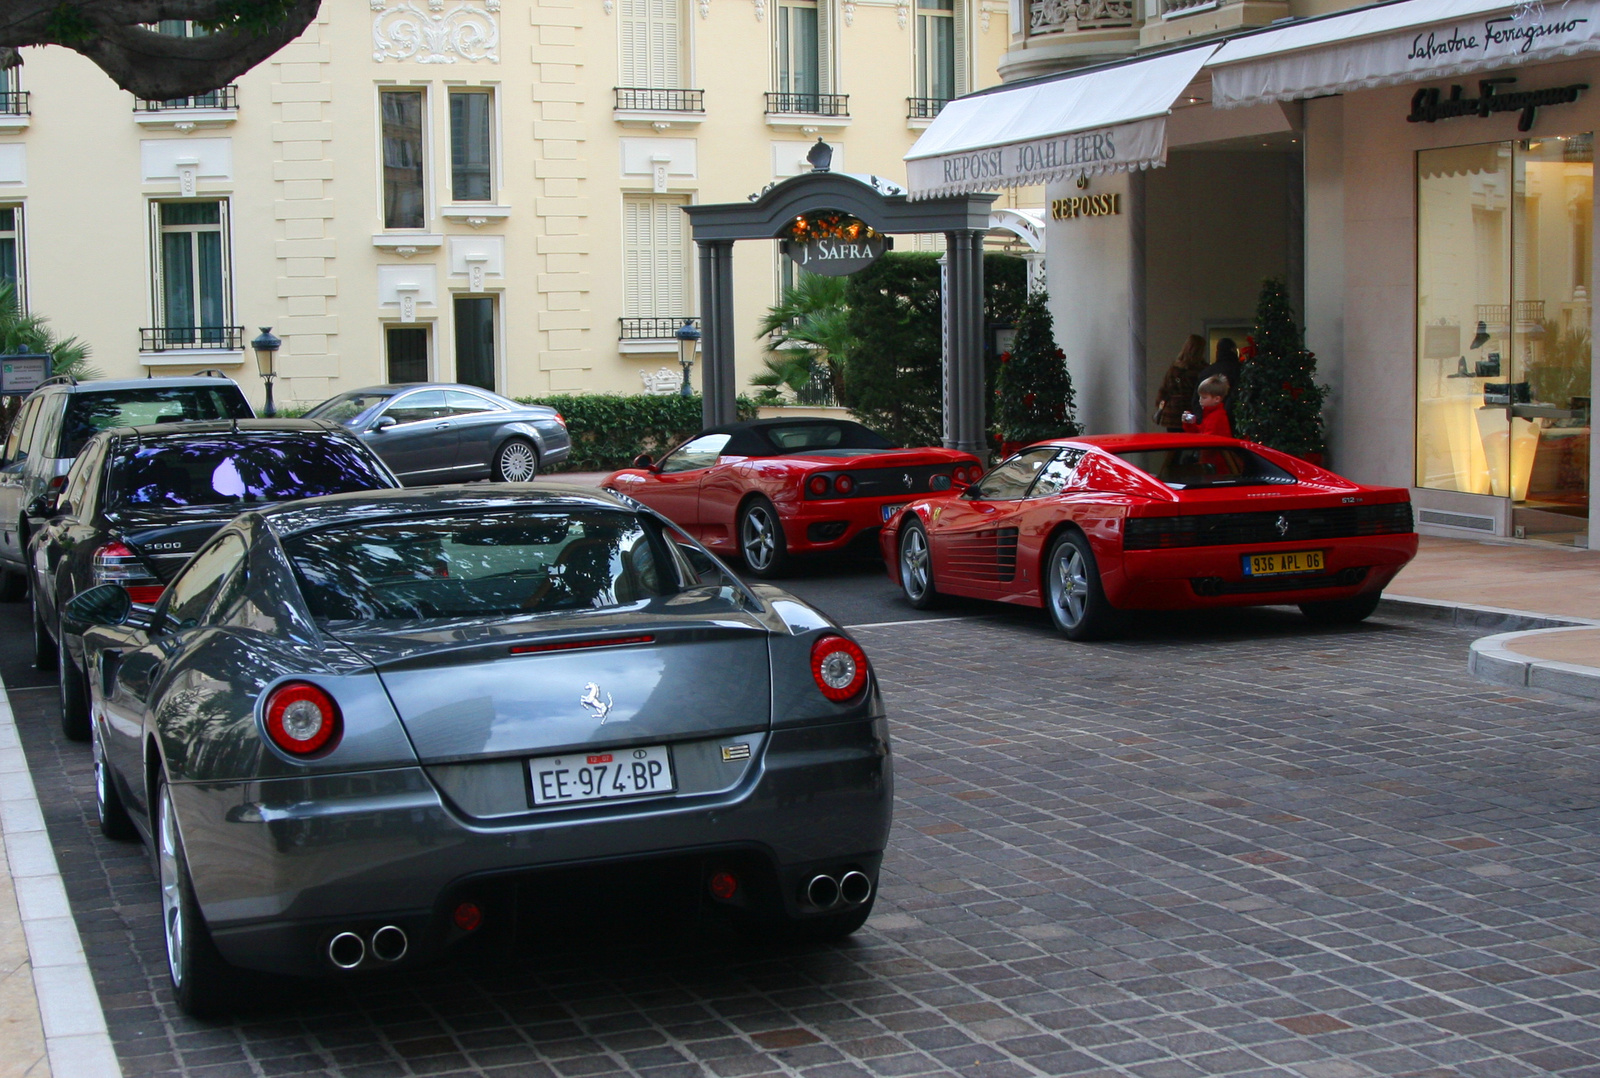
pixel 833 244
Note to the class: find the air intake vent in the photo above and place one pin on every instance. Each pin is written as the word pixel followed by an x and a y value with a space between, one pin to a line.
pixel 1456 520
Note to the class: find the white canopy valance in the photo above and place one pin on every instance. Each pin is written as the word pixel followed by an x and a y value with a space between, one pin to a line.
pixel 1111 119
pixel 1392 44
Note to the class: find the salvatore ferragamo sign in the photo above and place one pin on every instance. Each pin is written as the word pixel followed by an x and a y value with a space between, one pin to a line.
pixel 1428 105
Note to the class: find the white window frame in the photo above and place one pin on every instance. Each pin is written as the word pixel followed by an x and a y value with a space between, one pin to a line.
pixel 18 233
pixel 496 156
pixel 674 54
pixel 158 295
pixel 429 179
pixel 632 270
pixel 961 22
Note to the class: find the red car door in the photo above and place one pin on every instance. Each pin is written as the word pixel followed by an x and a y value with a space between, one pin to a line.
pixel 974 538
pixel 673 488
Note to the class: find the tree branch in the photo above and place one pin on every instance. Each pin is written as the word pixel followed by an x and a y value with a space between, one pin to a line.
pixel 114 34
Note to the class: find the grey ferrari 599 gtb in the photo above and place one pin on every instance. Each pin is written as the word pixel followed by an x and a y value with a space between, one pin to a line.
pixel 358 730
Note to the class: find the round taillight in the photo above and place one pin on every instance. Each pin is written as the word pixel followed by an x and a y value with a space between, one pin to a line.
pixel 467 916
pixel 819 485
pixel 301 718
pixel 840 668
pixel 844 484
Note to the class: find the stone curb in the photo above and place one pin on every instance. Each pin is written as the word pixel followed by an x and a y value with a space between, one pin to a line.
pixel 1473 616
pixel 75 1034
pixel 1492 661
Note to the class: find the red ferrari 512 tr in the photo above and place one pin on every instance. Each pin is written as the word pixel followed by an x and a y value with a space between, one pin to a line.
pixel 774 488
pixel 1090 527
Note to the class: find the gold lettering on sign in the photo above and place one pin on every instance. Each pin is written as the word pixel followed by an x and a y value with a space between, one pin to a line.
pixel 1065 209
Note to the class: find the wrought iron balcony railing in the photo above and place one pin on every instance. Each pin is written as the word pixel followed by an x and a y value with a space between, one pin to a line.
pixel 14 103
pixel 924 108
pixel 808 104
pixel 190 338
pixel 1065 16
pixel 225 98
pixel 646 99
pixel 649 329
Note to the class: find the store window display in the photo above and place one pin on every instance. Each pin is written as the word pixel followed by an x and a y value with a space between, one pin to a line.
pixel 1504 267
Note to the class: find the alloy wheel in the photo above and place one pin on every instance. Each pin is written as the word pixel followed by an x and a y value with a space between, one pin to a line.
pixel 914 563
pixel 172 912
pixel 518 462
pixel 101 779
pixel 758 538
pixel 1069 585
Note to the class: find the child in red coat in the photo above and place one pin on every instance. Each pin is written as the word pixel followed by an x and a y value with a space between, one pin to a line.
pixel 1213 417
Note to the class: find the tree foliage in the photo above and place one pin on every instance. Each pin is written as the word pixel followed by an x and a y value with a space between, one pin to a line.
pixel 609 429
pixel 894 374
pixel 116 36
pixel 1279 402
pixel 1033 391
pixel 808 336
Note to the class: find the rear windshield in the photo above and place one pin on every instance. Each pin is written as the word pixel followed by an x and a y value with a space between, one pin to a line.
pixel 243 471
pixel 1215 466
pixel 90 413
pixel 481 564
pixel 346 406
pixel 799 437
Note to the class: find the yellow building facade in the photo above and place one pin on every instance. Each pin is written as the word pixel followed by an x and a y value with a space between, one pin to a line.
pixel 478 190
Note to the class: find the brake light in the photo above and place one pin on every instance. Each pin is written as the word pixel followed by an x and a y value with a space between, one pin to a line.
pixel 301 718
pixel 561 419
pixel 839 667
pixel 115 563
pixel 818 485
pixel 844 484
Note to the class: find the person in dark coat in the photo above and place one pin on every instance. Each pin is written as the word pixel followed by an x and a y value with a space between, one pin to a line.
pixel 1227 365
pixel 1177 388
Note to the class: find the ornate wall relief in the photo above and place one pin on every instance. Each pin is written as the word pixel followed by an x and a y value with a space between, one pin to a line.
pixel 423 32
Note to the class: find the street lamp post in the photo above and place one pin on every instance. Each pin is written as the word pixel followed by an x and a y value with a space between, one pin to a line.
pixel 266 347
pixel 688 340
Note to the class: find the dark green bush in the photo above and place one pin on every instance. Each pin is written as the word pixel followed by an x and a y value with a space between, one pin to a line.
pixel 894 377
pixel 608 430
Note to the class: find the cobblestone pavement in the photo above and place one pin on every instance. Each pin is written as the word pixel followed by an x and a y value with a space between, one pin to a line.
pixel 1236 846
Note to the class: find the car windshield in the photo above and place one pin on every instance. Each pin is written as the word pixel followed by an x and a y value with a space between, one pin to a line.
pixel 484 564
pixel 802 437
pixel 347 406
pixel 1186 467
pixel 89 413
pixel 239 470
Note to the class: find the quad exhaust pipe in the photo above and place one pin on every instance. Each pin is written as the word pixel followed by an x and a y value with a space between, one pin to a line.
pixel 388 944
pixel 851 889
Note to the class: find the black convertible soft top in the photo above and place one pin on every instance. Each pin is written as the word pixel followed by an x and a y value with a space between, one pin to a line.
pixel 784 437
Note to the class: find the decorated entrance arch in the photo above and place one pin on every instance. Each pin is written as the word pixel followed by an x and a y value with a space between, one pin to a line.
pixel 842 222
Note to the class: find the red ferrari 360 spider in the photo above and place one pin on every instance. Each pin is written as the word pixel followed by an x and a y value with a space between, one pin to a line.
pixel 774 488
pixel 1090 527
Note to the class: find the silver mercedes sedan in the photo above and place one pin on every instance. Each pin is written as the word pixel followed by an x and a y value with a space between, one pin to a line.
pixel 358 731
pixel 440 433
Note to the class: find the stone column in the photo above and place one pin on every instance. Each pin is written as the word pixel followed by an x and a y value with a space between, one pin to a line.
pixel 717 391
pixel 967 414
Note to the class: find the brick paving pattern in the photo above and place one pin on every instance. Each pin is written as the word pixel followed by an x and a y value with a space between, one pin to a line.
pixel 1225 847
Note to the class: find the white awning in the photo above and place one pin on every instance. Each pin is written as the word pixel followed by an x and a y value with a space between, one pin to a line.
pixel 1112 119
pixel 1391 44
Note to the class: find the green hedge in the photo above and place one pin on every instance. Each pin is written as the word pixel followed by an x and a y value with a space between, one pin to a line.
pixel 608 430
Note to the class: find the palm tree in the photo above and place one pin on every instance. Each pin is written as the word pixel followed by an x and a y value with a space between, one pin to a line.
pixel 808 335
pixel 23 332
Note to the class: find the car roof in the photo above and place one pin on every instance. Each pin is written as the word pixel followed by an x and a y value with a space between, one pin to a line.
pixel 194 428
pixel 291 518
pixel 1121 443
pixel 402 387
pixel 139 383
pixel 798 421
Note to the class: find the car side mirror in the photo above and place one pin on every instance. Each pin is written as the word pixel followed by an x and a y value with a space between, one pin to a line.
pixel 385 422
pixel 107 604
pixel 643 461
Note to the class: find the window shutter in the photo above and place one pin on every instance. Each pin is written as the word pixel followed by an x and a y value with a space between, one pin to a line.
pixel 825 50
pixel 655 260
pixel 158 284
pixel 963 64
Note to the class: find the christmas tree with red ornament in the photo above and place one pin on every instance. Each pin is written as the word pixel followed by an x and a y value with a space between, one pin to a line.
pixel 1278 401
pixel 1033 391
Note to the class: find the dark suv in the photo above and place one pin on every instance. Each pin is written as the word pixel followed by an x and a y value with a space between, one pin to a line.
pixel 60 416
pixel 139 501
